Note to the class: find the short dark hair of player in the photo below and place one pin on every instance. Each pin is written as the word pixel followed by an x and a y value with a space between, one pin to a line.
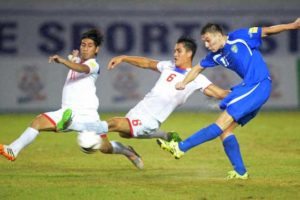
pixel 212 28
pixel 94 35
pixel 188 43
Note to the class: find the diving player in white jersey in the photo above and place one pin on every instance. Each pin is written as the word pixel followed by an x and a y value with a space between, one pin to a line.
pixel 144 120
pixel 79 102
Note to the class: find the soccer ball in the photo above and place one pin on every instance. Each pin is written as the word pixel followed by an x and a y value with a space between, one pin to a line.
pixel 89 141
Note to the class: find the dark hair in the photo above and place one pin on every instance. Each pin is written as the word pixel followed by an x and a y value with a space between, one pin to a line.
pixel 189 44
pixel 212 28
pixel 94 35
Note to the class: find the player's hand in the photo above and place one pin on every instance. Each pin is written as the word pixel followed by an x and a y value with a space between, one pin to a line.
pixel 75 53
pixel 74 56
pixel 55 58
pixel 180 86
pixel 114 62
pixel 297 23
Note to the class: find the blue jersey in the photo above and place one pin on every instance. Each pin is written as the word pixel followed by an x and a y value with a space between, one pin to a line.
pixel 241 54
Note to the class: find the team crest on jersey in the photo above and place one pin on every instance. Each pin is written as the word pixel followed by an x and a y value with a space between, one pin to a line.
pixel 93 64
pixel 234 49
pixel 252 30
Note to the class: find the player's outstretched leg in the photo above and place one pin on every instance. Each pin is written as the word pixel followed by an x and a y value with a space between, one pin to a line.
pixel 171 147
pixel 65 120
pixel 7 152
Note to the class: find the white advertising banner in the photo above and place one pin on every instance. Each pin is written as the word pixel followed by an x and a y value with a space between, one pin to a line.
pixel 28 37
pixel 28 84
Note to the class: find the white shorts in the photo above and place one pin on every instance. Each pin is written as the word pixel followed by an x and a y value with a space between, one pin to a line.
pixel 77 117
pixel 141 123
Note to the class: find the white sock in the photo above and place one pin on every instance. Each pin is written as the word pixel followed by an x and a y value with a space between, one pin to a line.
pixel 25 139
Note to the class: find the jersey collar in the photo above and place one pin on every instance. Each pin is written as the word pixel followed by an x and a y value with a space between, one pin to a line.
pixel 181 70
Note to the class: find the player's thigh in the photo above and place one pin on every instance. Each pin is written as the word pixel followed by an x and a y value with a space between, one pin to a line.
pixel 43 123
pixel 82 117
pixel 224 120
pixel 118 124
pixel 141 122
pixel 141 125
pixel 47 121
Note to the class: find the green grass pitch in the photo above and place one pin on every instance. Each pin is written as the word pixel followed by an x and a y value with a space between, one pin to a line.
pixel 53 167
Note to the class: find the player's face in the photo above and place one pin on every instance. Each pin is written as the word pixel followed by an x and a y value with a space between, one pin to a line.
pixel 88 49
pixel 212 41
pixel 181 55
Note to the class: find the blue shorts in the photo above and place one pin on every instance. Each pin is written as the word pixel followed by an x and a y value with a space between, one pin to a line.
pixel 244 102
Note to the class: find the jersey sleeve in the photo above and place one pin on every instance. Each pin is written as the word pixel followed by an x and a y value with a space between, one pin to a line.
pixel 208 61
pixel 251 35
pixel 93 65
pixel 202 82
pixel 163 65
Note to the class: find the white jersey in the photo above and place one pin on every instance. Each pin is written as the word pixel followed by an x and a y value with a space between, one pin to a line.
pixel 79 92
pixel 163 99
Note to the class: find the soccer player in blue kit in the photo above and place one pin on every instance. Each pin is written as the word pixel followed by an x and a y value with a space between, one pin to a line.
pixel 239 52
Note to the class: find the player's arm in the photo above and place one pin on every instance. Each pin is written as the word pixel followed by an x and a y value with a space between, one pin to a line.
pixel 215 91
pixel 195 71
pixel 266 31
pixel 71 65
pixel 141 62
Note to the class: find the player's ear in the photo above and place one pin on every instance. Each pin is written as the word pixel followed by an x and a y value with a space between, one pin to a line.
pixel 97 50
pixel 190 54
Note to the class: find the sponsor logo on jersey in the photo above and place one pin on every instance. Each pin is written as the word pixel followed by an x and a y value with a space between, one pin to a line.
pixel 234 49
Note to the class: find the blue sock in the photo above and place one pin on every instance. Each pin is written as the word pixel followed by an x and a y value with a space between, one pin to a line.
pixel 203 135
pixel 232 149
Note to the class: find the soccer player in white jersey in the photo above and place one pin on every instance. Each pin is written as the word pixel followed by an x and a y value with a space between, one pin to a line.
pixel 79 102
pixel 144 120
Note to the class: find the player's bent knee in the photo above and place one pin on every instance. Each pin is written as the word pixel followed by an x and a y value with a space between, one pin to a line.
pixel 113 124
pixel 106 148
pixel 36 122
